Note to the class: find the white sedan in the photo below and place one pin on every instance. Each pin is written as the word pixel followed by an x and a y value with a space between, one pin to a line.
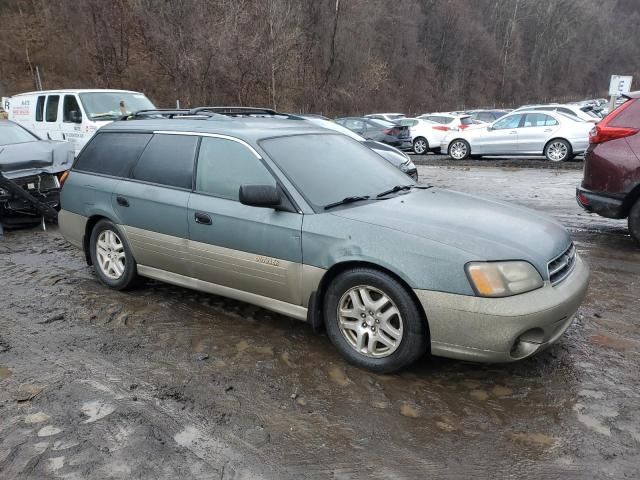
pixel 553 134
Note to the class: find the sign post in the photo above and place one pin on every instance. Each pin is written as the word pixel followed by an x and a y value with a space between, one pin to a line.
pixel 619 85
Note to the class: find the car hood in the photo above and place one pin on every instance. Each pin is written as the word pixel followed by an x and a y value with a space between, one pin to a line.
pixel 31 158
pixel 485 229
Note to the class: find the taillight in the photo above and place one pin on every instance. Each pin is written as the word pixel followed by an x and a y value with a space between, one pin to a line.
pixel 442 128
pixel 602 132
pixel 462 126
pixel 62 177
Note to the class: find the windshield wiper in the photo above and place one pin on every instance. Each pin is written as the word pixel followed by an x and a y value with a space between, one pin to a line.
pixel 399 188
pixel 346 200
pixel 105 115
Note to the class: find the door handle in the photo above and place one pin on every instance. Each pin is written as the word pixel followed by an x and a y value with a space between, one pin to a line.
pixel 512 132
pixel 549 130
pixel 122 201
pixel 202 218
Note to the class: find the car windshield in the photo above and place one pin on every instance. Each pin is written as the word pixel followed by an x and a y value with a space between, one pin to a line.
pixel 327 168
pixel 11 133
pixel 112 105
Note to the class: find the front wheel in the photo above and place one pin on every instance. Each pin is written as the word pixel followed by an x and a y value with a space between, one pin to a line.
pixel 634 221
pixel 558 150
pixel 420 146
pixel 373 321
pixel 459 149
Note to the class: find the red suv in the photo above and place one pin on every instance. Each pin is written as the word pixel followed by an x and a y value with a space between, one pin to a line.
pixel 611 183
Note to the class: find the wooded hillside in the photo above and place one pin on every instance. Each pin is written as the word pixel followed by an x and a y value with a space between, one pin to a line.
pixel 329 56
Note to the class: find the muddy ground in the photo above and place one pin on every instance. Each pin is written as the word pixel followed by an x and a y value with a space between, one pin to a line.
pixel 163 382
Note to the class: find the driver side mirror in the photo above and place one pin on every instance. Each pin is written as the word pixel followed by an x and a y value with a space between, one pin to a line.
pixel 266 196
pixel 75 116
pixel 489 128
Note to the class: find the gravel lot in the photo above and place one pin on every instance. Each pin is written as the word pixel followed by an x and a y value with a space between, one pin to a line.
pixel 163 382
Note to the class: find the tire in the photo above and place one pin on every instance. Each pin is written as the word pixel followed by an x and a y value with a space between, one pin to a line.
pixel 459 149
pixel 420 146
pixel 120 270
pixel 634 221
pixel 404 332
pixel 558 150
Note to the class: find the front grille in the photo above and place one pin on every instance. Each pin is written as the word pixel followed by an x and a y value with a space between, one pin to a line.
pixel 561 266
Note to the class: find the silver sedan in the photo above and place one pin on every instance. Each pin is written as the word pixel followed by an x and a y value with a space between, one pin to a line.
pixel 555 135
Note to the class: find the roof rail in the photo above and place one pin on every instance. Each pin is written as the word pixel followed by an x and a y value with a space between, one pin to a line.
pixel 244 111
pixel 209 112
pixel 168 113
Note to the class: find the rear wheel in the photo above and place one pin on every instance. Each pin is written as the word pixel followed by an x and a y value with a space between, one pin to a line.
pixel 420 146
pixel 459 149
pixel 112 256
pixel 373 321
pixel 634 221
pixel 558 150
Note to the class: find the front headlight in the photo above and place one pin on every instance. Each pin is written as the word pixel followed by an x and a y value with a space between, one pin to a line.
pixel 503 279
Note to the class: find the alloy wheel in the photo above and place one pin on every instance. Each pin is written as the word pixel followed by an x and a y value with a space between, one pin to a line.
pixel 370 321
pixel 458 150
pixel 557 151
pixel 110 254
pixel 420 146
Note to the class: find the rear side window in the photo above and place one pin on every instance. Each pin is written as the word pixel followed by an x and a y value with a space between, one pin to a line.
pixel 168 160
pixel 466 121
pixel 51 114
pixel 224 165
pixel 112 153
pixel 40 108
pixel 539 120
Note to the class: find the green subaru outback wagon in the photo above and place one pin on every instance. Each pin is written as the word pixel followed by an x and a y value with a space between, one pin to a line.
pixel 309 223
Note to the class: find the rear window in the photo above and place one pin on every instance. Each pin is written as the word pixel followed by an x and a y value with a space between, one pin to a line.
pixel 382 123
pixel 629 117
pixel 112 153
pixel 40 108
pixel 466 121
pixel 407 123
pixel 168 160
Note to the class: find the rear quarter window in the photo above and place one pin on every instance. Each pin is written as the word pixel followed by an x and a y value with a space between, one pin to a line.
pixel 112 153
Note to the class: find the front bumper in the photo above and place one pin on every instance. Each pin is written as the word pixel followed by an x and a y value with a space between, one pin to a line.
pixel 503 329
pixel 607 206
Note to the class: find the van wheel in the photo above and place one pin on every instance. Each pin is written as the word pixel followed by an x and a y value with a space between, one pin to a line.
pixel 112 257
pixel 634 221
pixel 373 321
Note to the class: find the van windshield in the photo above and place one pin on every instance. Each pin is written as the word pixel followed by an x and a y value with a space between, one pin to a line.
pixel 113 105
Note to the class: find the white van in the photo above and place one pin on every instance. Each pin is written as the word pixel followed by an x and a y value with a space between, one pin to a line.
pixel 72 115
